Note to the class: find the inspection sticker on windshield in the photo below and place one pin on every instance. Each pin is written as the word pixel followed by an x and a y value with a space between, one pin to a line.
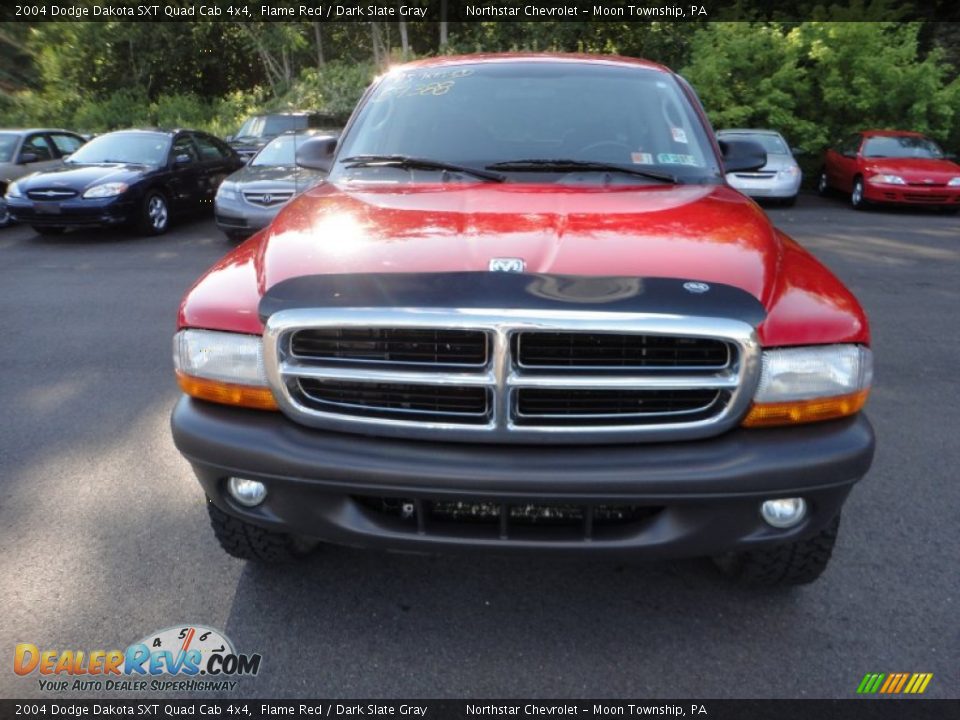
pixel 678 135
pixel 641 158
pixel 674 159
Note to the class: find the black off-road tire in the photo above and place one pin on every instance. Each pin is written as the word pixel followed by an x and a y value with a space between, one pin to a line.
pixel 796 563
pixel 47 230
pixel 251 542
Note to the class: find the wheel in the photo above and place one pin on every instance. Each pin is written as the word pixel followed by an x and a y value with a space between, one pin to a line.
pixel 789 202
pixel 251 542
pixel 47 230
pixel 796 563
pixel 236 236
pixel 5 218
pixel 154 214
pixel 856 195
pixel 823 186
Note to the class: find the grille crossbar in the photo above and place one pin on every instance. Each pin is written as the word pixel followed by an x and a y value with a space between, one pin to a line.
pixel 510 375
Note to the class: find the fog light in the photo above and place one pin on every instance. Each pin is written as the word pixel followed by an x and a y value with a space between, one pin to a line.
pixel 784 513
pixel 247 492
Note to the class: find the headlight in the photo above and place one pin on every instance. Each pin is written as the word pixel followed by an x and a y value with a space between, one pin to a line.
pixel 887 179
pixel 791 171
pixel 106 190
pixel 13 190
pixel 227 191
pixel 808 384
pixel 954 182
pixel 222 367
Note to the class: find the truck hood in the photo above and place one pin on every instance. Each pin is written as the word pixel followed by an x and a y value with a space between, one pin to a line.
pixel 699 232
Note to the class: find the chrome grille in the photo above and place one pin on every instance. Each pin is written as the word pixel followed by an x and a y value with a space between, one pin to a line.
pixel 53 194
pixel 268 199
pixel 511 375
pixel 612 350
pixel 414 346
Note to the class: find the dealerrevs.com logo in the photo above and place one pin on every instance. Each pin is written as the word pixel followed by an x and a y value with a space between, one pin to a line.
pixel 185 658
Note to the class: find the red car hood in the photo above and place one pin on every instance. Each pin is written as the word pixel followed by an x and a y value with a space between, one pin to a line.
pixel 709 233
pixel 700 232
pixel 915 170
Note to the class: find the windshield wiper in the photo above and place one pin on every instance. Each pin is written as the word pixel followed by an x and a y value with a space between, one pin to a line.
pixel 406 161
pixel 573 165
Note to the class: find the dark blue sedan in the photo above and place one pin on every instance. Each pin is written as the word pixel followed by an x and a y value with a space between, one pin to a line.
pixel 139 178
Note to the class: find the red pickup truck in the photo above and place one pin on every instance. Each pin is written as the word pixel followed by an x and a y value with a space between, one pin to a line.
pixel 524 312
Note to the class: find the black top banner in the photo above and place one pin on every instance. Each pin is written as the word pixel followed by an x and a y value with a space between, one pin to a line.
pixel 476 10
pixel 862 709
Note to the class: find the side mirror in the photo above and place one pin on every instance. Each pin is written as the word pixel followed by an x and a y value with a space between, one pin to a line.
pixel 797 152
pixel 950 156
pixel 66 157
pixel 28 157
pixel 742 155
pixel 228 138
pixel 317 153
pixel 182 159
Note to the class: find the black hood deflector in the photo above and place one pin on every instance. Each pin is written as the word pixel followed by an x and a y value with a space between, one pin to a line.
pixel 524 291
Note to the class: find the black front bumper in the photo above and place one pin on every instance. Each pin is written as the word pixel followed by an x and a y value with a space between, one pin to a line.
pixel 695 498
pixel 75 213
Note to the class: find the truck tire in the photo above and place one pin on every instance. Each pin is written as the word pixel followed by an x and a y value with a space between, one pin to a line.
pixel 251 542
pixel 796 563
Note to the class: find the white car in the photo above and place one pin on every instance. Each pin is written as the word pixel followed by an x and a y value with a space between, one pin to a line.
pixel 28 151
pixel 779 179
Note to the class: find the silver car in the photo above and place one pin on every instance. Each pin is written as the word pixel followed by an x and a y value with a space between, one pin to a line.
pixel 23 152
pixel 250 198
pixel 779 179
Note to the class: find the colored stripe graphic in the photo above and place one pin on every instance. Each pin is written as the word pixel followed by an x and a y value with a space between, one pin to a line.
pixel 894 683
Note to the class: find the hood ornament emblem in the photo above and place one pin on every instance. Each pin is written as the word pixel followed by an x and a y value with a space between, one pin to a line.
pixel 514 265
pixel 696 287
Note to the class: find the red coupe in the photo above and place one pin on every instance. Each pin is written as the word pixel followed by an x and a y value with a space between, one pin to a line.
pixel 891 166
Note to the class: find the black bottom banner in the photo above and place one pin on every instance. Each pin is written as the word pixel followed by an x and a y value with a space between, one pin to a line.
pixel 853 709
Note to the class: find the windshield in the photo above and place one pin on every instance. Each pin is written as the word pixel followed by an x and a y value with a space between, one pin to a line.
pixel 8 143
pixel 280 151
pixel 482 114
pixel 140 148
pixel 269 125
pixel 773 144
pixel 904 146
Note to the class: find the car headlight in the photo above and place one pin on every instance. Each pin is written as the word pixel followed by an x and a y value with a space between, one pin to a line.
pixel 106 190
pixel 13 190
pixel 887 179
pixel 222 367
pixel 789 172
pixel 227 191
pixel 954 182
pixel 808 384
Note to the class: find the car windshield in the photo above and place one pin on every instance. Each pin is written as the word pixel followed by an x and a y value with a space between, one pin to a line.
pixel 140 148
pixel 773 144
pixel 903 146
pixel 479 115
pixel 279 151
pixel 269 125
pixel 8 143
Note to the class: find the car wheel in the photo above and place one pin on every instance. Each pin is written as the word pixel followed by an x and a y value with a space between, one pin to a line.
pixel 47 230
pixel 823 186
pixel 4 216
pixel 235 236
pixel 154 214
pixel 796 563
pixel 252 542
pixel 856 195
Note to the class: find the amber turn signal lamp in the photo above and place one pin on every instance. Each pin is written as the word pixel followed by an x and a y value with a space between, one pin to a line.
pixel 227 393
pixel 804 411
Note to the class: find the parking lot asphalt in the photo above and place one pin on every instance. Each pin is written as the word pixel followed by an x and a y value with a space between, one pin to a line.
pixel 104 534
